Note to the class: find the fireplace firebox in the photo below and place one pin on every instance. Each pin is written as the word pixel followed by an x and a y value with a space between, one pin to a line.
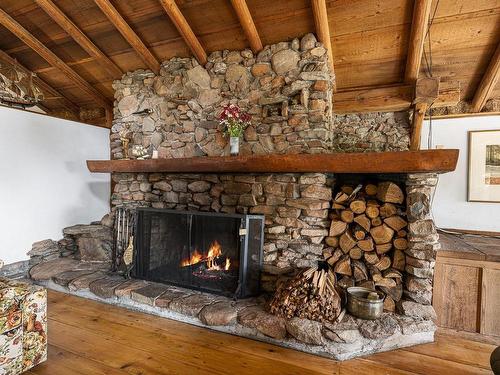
pixel 212 252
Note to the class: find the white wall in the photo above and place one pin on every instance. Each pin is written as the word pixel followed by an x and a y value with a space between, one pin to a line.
pixel 451 209
pixel 44 182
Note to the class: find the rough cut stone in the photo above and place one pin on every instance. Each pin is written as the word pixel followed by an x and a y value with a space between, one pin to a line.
pixel 307 42
pixel 219 314
pixel 169 295
pixel 304 330
pixel 47 270
pixel 345 332
pixel 64 278
pixel 126 288
pixel 44 247
pixel 417 310
pixel 284 61
pixel 148 294
pixel 199 76
pixel 269 325
pixel 83 282
pixel 380 328
pixel 410 326
pixel 192 305
pixel 105 288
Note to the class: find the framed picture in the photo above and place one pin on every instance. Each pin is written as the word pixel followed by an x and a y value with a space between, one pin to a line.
pixel 484 166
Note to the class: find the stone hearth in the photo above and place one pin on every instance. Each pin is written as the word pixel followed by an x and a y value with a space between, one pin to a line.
pixel 346 339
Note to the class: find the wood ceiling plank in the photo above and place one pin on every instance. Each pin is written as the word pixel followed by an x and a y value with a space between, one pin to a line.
pixel 373 73
pixel 65 23
pixel 320 16
pixel 419 27
pixel 122 26
pixel 488 82
pixel 347 16
pixel 246 21
pixel 50 57
pixel 185 30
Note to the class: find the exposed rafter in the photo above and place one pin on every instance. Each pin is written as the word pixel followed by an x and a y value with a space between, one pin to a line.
pixel 322 28
pixel 44 86
pixel 130 36
pixel 488 82
pixel 51 58
pixel 185 30
pixel 246 21
pixel 421 13
pixel 67 25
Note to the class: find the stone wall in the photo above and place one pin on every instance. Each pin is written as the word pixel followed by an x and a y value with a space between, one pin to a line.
pixel 377 131
pixel 296 207
pixel 287 88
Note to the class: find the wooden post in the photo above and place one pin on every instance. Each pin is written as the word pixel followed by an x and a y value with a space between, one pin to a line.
pixel 246 21
pixel 322 28
pixel 416 132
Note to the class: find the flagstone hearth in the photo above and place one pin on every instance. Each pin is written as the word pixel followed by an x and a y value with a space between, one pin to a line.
pixel 347 338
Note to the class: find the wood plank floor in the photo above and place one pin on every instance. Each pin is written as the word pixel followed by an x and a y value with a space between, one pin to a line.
pixel 87 337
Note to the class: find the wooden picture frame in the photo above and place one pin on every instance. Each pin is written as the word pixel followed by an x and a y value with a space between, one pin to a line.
pixel 484 166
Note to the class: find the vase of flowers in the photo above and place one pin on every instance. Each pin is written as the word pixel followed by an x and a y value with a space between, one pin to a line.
pixel 234 122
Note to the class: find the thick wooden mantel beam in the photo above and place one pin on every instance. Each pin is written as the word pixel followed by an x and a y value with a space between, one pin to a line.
pixel 246 21
pixel 322 28
pixel 78 36
pixel 185 30
pixel 440 161
pixel 15 28
pixel 130 36
pixel 488 82
pixel 421 13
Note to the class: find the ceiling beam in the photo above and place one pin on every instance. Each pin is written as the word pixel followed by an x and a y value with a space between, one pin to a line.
pixel 320 16
pixel 390 98
pixel 185 30
pixel 488 82
pixel 67 25
pixel 246 21
pixel 130 36
pixel 24 35
pixel 419 26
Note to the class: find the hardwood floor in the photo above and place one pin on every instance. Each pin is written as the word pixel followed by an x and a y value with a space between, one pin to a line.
pixel 87 337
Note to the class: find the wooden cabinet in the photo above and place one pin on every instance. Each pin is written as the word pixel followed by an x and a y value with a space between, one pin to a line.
pixel 466 293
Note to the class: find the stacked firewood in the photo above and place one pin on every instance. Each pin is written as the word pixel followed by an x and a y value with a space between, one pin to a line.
pixel 368 237
pixel 311 294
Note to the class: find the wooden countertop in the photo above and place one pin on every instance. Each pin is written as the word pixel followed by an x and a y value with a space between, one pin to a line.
pixel 467 246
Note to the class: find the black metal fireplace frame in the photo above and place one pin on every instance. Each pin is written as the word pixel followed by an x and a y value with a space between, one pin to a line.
pixel 242 289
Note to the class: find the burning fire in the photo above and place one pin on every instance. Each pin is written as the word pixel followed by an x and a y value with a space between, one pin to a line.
pixel 214 252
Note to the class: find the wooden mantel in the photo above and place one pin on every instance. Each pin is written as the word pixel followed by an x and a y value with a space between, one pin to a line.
pixel 439 161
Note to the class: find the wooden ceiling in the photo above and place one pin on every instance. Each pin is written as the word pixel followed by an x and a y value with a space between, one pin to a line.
pixel 370 40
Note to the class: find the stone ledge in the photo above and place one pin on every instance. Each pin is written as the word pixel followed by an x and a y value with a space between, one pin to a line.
pixel 247 318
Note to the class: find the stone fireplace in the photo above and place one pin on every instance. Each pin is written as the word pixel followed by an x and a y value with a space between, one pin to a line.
pixel 287 88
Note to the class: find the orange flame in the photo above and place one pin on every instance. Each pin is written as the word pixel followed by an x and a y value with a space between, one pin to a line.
pixel 214 252
pixel 195 258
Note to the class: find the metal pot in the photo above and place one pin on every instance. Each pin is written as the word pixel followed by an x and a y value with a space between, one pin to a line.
pixel 361 307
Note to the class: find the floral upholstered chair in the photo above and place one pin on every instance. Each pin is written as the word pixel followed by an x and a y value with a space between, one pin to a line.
pixel 23 326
